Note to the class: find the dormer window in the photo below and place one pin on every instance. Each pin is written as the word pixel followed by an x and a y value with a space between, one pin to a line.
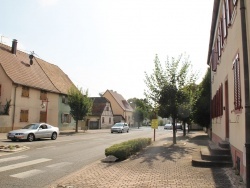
pixel 43 95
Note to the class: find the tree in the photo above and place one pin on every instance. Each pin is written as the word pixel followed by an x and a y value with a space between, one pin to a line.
pixel 138 116
pixel 80 104
pixel 201 105
pixel 141 108
pixel 166 86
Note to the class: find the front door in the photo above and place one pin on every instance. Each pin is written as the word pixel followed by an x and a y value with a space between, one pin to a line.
pixel 226 111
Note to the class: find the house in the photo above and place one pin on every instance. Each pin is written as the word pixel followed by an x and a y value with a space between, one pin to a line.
pixel 102 114
pixel 36 89
pixel 122 111
pixel 229 57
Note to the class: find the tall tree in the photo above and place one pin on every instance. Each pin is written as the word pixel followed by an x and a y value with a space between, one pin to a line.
pixel 80 104
pixel 201 105
pixel 166 86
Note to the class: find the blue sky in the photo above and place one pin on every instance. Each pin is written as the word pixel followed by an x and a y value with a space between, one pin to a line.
pixel 109 44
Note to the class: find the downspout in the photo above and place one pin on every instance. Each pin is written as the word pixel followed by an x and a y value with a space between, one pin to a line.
pixel 246 85
pixel 14 110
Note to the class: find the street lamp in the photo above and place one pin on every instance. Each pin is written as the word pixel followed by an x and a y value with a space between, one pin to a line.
pixel 43 105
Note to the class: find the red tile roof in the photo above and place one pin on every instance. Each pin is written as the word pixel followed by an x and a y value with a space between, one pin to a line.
pixel 40 75
pixel 120 100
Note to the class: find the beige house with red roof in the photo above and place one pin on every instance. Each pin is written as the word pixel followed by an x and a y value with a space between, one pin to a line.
pixel 36 89
pixel 229 59
pixel 122 111
pixel 101 115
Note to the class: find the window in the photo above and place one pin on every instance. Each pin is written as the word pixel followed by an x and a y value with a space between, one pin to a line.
pixel 103 120
pixel 237 90
pixel 224 21
pixel 217 103
pixel 109 120
pixel 43 95
pixel 107 108
pixel 66 118
pixel 25 91
pixel 24 115
pixel 64 99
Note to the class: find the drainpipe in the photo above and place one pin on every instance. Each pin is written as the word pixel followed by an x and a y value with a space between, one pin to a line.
pixel 246 85
pixel 14 109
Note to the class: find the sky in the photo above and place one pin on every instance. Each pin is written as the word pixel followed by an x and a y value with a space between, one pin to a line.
pixel 109 44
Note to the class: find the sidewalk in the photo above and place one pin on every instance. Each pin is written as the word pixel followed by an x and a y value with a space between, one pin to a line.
pixel 161 165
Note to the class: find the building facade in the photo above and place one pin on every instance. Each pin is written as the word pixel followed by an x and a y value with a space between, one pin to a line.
pixel 228 57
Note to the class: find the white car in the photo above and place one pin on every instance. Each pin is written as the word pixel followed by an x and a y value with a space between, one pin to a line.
pixel 120 128
pixel 34 131
pixel 168 126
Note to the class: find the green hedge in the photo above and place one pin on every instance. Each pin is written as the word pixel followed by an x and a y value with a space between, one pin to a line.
pixel 125 149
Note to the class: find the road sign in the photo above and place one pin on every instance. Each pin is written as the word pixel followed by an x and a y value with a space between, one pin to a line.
pixel 154 124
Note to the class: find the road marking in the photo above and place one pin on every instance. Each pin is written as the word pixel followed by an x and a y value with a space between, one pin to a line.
pixel 13 158
pixel 23 164
pixel 59 165
pixel 27 174
pixel 46 147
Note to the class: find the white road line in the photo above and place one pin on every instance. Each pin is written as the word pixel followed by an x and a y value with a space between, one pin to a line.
pixel 23 164
pixel 13 158
pixel 46 147
pixel 59 165
pixel 27 174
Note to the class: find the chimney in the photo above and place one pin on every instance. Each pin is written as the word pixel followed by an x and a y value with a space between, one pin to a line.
pixel 14 46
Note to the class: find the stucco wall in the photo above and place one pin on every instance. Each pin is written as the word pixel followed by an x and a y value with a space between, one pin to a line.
pixel 224 72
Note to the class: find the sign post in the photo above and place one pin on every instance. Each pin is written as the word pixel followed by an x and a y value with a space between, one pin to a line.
pixel 154 125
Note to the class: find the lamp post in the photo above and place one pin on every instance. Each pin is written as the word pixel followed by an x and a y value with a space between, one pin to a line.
pixel 45 104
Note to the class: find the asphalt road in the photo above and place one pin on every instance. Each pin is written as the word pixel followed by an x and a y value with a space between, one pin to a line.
pixel 49 160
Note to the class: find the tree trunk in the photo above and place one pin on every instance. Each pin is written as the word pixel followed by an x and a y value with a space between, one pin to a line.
pixel 174 132
pixel 184 128
pixel 76 126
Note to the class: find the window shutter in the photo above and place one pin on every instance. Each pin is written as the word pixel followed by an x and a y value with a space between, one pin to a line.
pixel 214 59
pixel 62 115
pixel 224 21
pixel 228 13
pixel 0 90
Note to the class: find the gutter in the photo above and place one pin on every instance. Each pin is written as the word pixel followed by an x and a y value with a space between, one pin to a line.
pixel 246 85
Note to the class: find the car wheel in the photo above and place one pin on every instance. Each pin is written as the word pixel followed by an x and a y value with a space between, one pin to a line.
pixel 13 140
pixel 31 137
pixel 111 132
pixel 127 130
pixel 53 136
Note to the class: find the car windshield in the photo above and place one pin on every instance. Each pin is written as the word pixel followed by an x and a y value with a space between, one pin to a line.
pixel 31 126
pixel 118 124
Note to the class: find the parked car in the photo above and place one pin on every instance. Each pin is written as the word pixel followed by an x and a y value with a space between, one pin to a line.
pixel 120 128
pixel 168 126
pixel 34 131
pixel 178 126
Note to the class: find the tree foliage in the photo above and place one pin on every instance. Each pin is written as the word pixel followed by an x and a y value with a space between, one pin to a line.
pixel 141 108
pixel 167 87
pixel 80 104
pixel 201 104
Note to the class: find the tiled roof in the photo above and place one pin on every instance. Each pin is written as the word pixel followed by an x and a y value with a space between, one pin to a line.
pixel 120 100
pixel 40 75
pixel 99 103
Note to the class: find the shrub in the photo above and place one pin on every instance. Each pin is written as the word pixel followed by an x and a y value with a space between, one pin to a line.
pixel 125 149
